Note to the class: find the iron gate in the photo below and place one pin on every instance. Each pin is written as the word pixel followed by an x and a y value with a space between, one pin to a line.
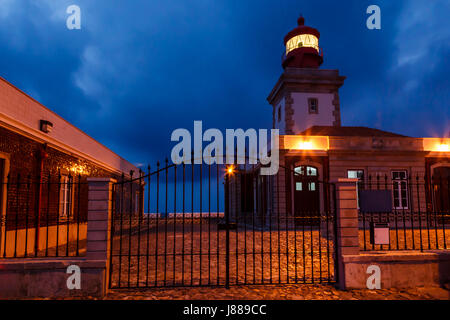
pixel 212 225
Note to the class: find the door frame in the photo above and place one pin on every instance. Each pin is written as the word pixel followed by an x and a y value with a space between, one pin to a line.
pixel 433 194
pixel 320 186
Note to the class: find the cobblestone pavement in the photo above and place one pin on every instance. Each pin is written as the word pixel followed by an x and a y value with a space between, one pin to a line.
pixel 281 292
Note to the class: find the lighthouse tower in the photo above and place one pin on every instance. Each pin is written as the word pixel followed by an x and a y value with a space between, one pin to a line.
pixel 305 95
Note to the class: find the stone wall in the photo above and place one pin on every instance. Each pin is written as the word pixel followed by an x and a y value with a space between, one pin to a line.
pixel 398 269
pixel 405 269
pixel 47 277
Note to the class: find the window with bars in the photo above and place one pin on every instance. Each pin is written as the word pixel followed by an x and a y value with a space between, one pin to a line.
pixel 400 189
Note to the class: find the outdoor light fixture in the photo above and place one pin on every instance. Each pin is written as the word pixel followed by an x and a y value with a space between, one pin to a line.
pixel 46 126
pixel 305 145
pixel 230 170
pixel 302 40
pixel 299 142
pixel 436 144
pixel 443 147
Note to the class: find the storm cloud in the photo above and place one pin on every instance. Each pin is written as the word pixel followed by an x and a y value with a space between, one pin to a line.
pixel 137 70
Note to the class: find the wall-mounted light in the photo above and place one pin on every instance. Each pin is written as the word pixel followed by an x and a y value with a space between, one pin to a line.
pixel 310 143
pixel 436 144
pixel 443 147
pixel 46 126
pixel 305 145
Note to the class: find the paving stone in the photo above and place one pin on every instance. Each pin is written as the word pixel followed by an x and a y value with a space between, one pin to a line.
pixel 281 292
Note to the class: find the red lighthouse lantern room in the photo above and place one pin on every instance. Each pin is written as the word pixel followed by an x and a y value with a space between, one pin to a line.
pixel 302 47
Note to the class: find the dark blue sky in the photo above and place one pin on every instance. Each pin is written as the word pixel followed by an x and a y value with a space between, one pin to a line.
pixel 137 70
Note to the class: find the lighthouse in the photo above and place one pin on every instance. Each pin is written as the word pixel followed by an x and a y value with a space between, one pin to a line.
pixel 305 95
pixel 302 47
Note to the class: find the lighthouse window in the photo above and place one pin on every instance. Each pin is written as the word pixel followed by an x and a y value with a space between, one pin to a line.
pixel 313 105
pixel 279 114
pixel 302 40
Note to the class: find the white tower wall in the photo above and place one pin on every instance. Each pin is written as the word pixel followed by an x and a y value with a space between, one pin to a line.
pixel 303 119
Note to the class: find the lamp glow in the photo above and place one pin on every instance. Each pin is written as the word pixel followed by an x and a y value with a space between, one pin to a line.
pixel 436 144
pixel 302 40
pixel 299 142
pixel 78 169
pixel 305 145
pixel 443 147
pixel 230 170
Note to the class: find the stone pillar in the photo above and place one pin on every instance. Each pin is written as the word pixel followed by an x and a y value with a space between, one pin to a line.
pixel 99 218
pixel 347 224
pixel 99 225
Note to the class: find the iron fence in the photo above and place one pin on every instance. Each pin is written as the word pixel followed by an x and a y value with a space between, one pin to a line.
pixel 416 212
pixel 45 216
pixel 199 228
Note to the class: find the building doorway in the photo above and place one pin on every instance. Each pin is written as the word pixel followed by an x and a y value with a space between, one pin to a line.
pixel 441 191
pixel 306 193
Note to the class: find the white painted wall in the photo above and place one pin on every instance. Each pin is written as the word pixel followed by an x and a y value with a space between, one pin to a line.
pixel 280 123
pixel 303 119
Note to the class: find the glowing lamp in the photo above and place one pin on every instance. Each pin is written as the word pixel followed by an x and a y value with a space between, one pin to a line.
pixel 305 145
pixel 302 47
pixel 436 144
pixel 230 170
pixel 78 169
pixel 443 147
pixel 298 142
pixel 302 41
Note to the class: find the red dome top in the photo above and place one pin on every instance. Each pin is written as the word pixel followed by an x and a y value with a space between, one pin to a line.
pixel 302 53
pixel 301 29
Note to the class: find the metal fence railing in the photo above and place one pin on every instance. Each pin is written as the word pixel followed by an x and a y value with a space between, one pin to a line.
pixel 414 213
pixel 45 216
pixel 218 225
